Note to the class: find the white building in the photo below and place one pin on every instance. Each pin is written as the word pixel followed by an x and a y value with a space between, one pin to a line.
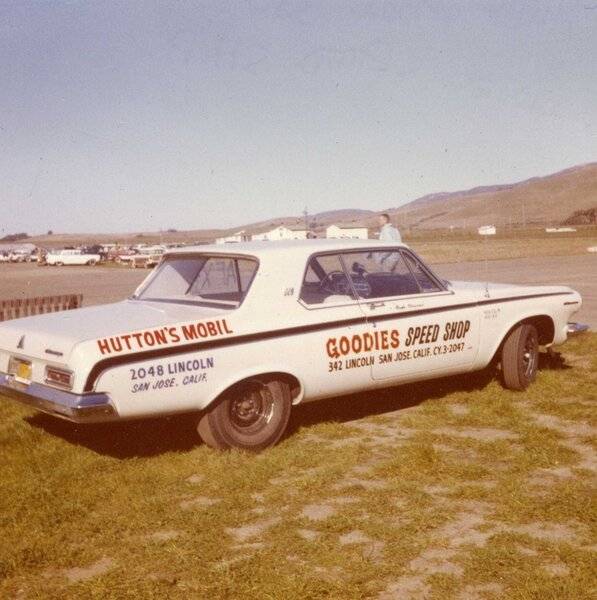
pixel 234 238
pixel 487 230
pixel 281 233
pixel 347 232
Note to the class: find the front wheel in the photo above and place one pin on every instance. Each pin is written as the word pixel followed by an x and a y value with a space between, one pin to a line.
pixel 520 357
pixel 252 415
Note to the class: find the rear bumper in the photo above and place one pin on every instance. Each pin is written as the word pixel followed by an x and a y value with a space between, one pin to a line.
pixel 78 408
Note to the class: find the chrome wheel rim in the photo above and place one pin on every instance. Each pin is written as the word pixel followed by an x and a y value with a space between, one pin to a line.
pixel 251 408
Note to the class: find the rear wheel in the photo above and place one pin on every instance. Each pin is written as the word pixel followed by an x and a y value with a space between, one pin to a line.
pixel 520 357
pixel 251 416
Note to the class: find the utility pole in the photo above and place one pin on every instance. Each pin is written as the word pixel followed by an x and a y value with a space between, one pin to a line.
pixel 306 216
pixel 524 215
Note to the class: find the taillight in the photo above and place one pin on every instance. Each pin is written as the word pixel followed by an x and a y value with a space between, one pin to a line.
pixel 59 377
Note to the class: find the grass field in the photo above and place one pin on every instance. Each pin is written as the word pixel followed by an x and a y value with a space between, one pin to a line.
pixel 452 489
pixel 446 248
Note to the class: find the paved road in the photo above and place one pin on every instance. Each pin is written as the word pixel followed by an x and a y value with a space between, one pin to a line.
pixel 578 272
pixel 109 284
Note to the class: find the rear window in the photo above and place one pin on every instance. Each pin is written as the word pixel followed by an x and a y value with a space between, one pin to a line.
pixel 221 281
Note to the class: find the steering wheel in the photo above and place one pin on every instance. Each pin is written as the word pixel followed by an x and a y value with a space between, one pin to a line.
pixel 335 282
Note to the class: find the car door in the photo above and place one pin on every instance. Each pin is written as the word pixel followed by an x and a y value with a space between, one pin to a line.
pixel 335 359
pixel 419 325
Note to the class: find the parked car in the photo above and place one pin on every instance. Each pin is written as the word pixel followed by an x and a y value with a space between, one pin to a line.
pixel 147 260
pixel 4 258
pixel 71 257
pixel 239 336
pixel 20 256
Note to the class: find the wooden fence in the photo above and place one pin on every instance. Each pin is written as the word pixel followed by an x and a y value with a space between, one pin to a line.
pixel 14 309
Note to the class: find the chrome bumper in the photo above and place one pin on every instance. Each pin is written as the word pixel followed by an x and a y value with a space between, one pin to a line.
pixel 576 328
pixel 79 408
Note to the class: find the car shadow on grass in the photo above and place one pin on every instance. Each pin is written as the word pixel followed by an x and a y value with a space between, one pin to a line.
pixel 127 439
pixel 386 400
pixel 153 437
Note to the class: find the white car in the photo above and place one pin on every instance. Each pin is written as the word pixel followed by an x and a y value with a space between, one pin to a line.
pixel 239 335
pixel 71 257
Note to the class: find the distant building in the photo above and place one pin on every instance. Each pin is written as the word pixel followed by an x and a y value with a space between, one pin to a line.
pixel 347 232
pixel 234 238
pixel 560 230
pixel 281 233
pixel 487 230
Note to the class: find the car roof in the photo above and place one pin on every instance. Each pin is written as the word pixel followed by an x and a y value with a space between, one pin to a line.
pixel 298 248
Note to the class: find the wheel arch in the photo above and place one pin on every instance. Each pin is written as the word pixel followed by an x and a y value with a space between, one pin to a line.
pixel 294 383
pixel 545 329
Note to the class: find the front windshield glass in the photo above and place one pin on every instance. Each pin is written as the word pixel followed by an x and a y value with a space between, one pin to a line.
pixel 219 281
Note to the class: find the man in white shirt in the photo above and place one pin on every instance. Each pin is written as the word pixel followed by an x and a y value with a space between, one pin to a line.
pixel 388 233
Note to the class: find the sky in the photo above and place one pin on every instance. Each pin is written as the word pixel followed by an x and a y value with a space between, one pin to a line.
pixel 141 115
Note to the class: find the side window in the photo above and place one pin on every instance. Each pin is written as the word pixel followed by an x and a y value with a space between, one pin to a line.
pixel 325 281
pixel 426 283
pixel 380 274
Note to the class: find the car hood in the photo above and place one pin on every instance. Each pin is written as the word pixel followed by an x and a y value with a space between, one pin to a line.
pixel 53 336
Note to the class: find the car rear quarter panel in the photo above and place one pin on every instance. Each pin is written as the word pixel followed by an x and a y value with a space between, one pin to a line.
pixel 498 319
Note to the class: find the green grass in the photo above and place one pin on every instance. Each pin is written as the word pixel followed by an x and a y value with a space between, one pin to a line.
pixel 453 485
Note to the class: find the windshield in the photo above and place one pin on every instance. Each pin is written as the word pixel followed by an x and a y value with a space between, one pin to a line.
pixel 218 281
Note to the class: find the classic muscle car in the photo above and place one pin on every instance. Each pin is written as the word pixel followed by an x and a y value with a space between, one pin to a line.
pixel 71 257
pixel 237 336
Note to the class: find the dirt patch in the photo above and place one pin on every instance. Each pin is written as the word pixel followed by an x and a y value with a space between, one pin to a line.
pixel 547 477
pixel 566 427
pixel 558 569
pixel 552 532
pixel 195 479
pixel 481 434
pixel 163 536
pixel 342 500
pixel 412 587
pixel 481 592
pixel 308 534
pixel 459 410
pixel 383 431
pixel 367 484
pixel 329 573
pixel 246 532
pixel 318 512
pixel 98 568
pixel 463 530
pixel 199 502
pixel 436 560
pixel 588 456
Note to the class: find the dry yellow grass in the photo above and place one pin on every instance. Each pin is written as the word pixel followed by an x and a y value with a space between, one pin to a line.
pixel 454 488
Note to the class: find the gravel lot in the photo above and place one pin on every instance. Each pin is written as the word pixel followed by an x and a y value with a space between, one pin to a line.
pixel 100 285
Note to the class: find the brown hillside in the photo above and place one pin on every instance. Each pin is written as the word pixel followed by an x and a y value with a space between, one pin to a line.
pixel 541 200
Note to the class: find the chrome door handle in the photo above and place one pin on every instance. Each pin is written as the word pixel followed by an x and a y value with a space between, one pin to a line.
pixel 374 305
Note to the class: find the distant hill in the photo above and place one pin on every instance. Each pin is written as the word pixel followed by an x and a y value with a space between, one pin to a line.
pixel 552 199
pixel 566 197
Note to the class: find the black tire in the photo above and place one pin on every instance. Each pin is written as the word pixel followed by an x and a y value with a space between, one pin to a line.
pixel 252 416
pixel 520 357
